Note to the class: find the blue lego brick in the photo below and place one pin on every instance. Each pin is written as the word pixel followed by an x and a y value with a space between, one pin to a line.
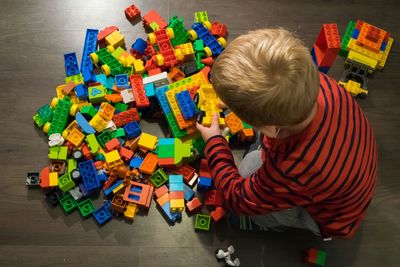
pixel 102 177
pixel 89 175
pixel 139 45
pixel 89 47
pixel 162 99
pixel 175 179
pixel 204 184
pixel 207 38
pixel 324 69
pixel 108 192
pixel 110 83
pixel 84 124
pixel 383 46
pixel 171 216
pixel 149 88
pixel 81 91
pixel 355 33
pixel 186 105
pixel 136 162
pixel 132 129
pixel 102 215
pixel 166 141
pixel 71 64
pixel 122 81
pixel 101 78
pixel 175 187
pixel 188 192
pixel 83 190
pixel 88 76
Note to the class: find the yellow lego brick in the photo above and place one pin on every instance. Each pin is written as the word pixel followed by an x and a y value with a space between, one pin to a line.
pixel 147 141
pixel 106 111
pixel 354 88
pixel 382 61
pixel 187 51
pixel 118 188
pixel 126 59
pixel 98 123
pixel 113 159
pixel 53 179
pixel 352 46
pixel 358 57
pixel 76 137
pixel 77 79
pixel 70 127
pixel 59 91
pixel 138 66
pixel 116 39
pixel 177 205
pixel 130 211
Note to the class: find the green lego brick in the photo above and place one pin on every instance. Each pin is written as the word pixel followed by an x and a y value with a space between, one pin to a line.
pixel 199 145
pixel 117 52
pixel 198 46
pixel 154 26
pixel 200 16
pixel 77 79
pixel 63 153
pixel 39 122
pixel 121 107
pixel 72 165
pixel 45 113
pixel 97 94
pixel 106 58
pixel 92 143
pixel 166 151
pixel 60 116
pixel 53 152
pixel 120 132
pixel 159 178
pixel 181 35
pixel 321 258
pixel 346 38
pixel 176 132
pixel 202 222
pixel 199 56
pixel 89 111
pixel 182 151
pixel 103 138
pixel 246 126
pixel 68 203
pixel 86 207
pixel 65 182
pixel 129 70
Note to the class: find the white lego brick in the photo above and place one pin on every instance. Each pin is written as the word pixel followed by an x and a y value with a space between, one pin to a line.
pixel 159 80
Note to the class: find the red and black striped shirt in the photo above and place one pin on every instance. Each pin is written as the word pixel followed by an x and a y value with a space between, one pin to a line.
pixel 330 168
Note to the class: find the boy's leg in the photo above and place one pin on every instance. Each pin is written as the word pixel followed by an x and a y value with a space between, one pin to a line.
pixel 296 217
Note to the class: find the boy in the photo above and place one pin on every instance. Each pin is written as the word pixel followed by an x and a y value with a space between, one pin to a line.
pixel 318 165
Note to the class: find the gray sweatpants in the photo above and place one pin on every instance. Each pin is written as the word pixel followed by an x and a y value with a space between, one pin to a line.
pixel 296 217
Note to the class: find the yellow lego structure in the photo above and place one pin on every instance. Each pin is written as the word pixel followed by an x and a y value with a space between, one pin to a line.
pixel 354 88
pixel 98 123
pixel 207 101
pixel 115 39
pixel 147 141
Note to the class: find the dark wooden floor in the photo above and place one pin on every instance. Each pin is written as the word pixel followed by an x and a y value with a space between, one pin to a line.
pixel 34 35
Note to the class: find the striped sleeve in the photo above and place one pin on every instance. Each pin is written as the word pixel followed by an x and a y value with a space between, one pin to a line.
pixel 258 194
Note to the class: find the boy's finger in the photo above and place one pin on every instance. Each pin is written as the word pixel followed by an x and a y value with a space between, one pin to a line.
pixel 221 105
pixel 215 121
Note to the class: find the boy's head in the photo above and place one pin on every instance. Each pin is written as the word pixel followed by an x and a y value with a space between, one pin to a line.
pixel 267 77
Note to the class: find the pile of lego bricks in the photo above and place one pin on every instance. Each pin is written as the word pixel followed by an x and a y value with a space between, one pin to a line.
pixel 96 145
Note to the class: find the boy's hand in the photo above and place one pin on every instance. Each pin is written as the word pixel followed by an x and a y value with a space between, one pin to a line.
pixel 213 130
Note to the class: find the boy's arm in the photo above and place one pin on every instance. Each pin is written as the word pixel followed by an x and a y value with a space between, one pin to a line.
pixel 260 193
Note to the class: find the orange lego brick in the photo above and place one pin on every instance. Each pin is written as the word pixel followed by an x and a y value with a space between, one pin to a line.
pixel 371 37
pixel 234 123
pixel 193 205
pixel 44 177
pixel 106 111
pixel 68 88
pixel 176 195
pixel 125 153
pixel 76 137
pixel 114 98
pixel 139 194
pixel 113 144
pixel 149 164
pixel 163 199
pixel 161 191
pixel 98 164
pixel 176 74
pixel 132 144
pixel 217 214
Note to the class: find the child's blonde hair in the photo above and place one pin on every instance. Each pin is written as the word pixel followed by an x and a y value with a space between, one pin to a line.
pixel 267 77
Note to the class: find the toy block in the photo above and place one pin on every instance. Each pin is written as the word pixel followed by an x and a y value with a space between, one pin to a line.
pixel 172 217
pixel 77 79
pixel 176 205
pixel 104 33
pixel 86 208
pixel 188 52
pixel 92 143
pixel 86 151
pixel 88 48
pixel 327 45
pixel 71 64
pixel 126 154
pixel 84 124
pixel 67 88
pixel 217 214
pixel 53 197
pixel 58 166
pixel 121 81
pixel 103 138
pixel 382 61
pixel 115 39
pixel 316 257
pixel 76 193
pixel 202 222
pixel 140 194
pixel 346 38
pixel 193 205
pixel 175 74
pixel 53 179
pixel 89 175
pixel 118 204
pixel 185 170
pixel 113 159
pixel 113 144
pixel 200 16
pixel 139 46
pixel 102 215
pixel 60 117
pixel 76 137
pixel 371 37
pixel 68 203
pixel 110 190
pixel 147 141
pixel 126 117
pixel 81 91
pixel 213 198
pixel 188 192
pixel 186 105
pixel 180 33
pixel 234 123
pixel 106 111
pixel 32 179
pixel 136 162
pixel 159 80
pixel 130 212
pixel 149 89
pixel 149 164
pixel 153 17
pixel 204 170
pixel 176 195
pixel 161 191
pixel 213 47
pixel 164 198
pixel 132 12
pixel 159 178
pixel 204 184
pixel 219 29
pixel 98 123
pixel 363 59
pixel 65 183
pixel 138 91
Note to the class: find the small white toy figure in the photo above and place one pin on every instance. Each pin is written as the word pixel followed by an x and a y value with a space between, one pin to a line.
pixel 220 254
pixel 56 140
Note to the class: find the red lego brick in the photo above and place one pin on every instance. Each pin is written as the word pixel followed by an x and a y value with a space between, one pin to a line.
pixel 204 170
pixel 185 170
pixel 359 24
pixel 111 179
pixel 153 16
pixel 138 91
pixel 165 48
pixel 209 61
pixel 193 205
pixel 86 152
pixel 113 144
pixel 154 71
pixel 149 51
pixel 161 191
pixel 150 64
pixel 44 177
pixel 213 198
pixel 219 29
pixel 217 214
pixel 126 154
pixel 327 45
pixel 125 117
pixel 176 195
pixel 101 37
pixel 132 12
